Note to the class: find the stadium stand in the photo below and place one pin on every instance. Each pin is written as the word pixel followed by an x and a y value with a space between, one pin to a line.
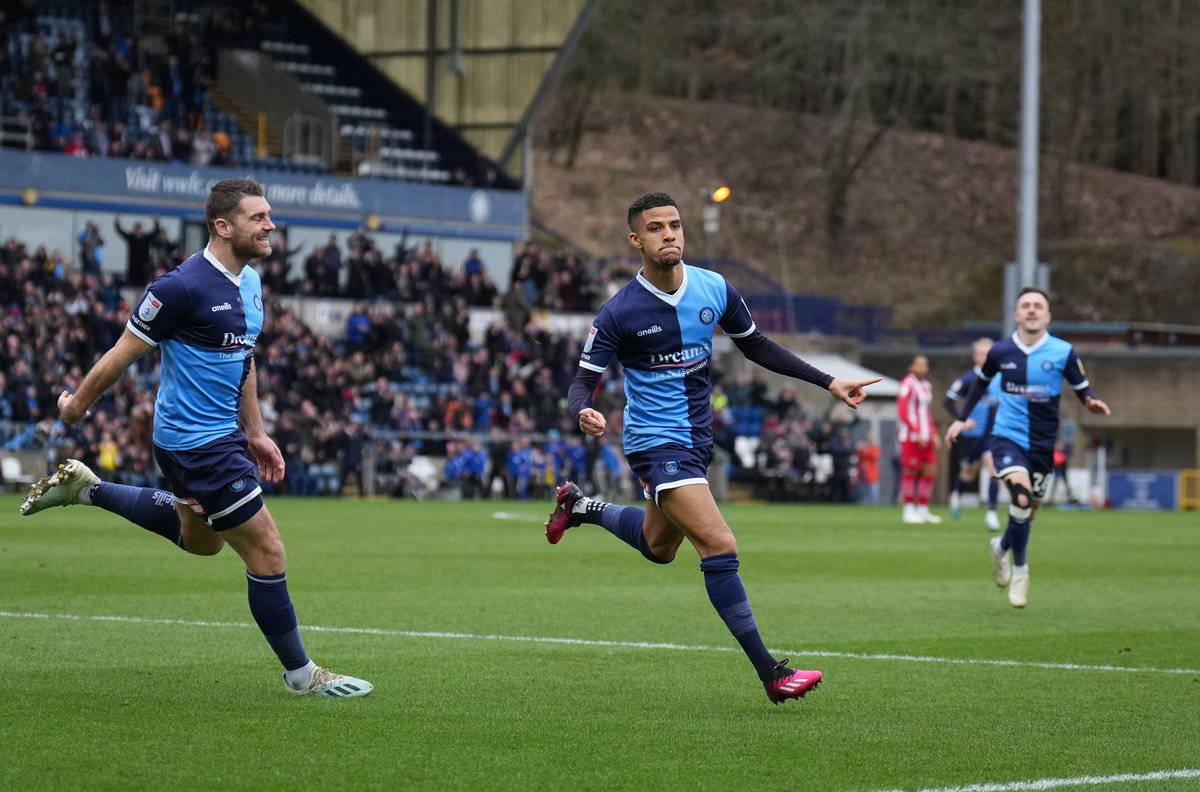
pixel 93 79
pixel 379 406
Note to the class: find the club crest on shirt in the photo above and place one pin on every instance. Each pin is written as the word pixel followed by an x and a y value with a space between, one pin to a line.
pixel 1047 365
pixel 707 315
pixel 149 308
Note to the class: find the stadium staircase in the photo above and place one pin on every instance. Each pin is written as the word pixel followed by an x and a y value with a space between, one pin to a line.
pixel 378 124
pixel 380 131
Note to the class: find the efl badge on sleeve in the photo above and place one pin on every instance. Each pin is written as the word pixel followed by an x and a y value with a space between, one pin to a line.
pixel 149 307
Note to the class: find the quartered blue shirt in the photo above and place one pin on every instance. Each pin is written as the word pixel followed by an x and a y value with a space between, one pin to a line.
pixel 1031 380
pixel 206 322
pixel 664 343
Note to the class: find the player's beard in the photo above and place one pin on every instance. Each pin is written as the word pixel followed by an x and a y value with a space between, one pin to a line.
pixel 250 248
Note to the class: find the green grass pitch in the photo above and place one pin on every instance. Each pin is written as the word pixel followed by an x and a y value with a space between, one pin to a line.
pixel 447 608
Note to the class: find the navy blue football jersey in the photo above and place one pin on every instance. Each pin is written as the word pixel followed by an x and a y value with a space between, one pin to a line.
pixel 206 322
pixel 664 343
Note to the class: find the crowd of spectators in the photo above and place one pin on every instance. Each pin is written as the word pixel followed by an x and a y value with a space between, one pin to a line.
pixel 93 86
pixel 95 79
pixel 405 383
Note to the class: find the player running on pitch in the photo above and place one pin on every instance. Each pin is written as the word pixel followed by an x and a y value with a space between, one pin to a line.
pixel 659 327
pixel 1031 366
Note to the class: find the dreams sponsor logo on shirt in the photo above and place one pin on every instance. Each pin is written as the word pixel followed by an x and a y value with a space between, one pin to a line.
pixel 684 357
pixel 1031 392
pixel 678 364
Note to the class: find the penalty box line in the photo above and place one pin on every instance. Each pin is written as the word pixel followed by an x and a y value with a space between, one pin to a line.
pixel 464 636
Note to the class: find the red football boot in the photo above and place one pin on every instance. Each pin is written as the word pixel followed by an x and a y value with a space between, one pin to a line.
pixel 561 518
pixel 790 683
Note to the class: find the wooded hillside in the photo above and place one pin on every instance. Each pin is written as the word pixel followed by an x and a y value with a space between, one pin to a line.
pixel 879 139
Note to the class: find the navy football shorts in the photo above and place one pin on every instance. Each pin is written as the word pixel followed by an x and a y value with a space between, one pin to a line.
pixel 218 481
pixel 1007 456
pixel 668 466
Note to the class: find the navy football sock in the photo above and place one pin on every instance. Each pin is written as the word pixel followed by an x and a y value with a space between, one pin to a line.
pixel 1018 538
pixel 993 493
pixel 272 610
pixel 728 596
pixel 625 523
pixel 152 509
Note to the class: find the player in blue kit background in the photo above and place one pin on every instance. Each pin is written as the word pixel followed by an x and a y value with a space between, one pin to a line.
pixel 659 327
pixel 1031 366
pixel 209 439
pixel 973 453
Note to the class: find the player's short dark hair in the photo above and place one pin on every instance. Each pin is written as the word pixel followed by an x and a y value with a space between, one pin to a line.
pixel 648 201
pixel 1033 290
pixel 225 197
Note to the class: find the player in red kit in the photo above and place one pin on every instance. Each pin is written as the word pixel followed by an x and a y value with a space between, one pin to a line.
pixel 919 442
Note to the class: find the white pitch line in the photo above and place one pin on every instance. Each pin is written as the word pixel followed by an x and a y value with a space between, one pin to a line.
pixel 1039 784
pixel 612 644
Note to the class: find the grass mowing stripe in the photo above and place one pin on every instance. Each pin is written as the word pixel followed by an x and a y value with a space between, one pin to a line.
pixel 611 644
pixel 1057 783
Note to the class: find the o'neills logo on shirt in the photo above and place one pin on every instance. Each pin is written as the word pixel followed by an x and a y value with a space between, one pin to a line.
pixel 222 307
pixel 650 330
pixel 149 308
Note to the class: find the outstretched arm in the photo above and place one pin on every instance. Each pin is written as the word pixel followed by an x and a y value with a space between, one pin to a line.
pixel 73 407
pixel 760 349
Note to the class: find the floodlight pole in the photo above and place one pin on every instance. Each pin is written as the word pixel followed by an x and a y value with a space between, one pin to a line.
pixel 1027 206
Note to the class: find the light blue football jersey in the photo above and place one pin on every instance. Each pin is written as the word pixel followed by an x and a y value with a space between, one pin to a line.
pixel 206 322
pixel 1030 386
pixel 664 343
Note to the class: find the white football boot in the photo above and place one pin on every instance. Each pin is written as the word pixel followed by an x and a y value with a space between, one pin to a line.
pixel 1001 566
pixel 60 488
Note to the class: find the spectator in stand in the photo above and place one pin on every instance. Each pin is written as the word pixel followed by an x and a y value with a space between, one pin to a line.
pixel 91 249
pixel 869 454
pixel 277 266
pixel 520 467
pixel 358 327
pixel 353 440
pixel 473 265
pixel 164 252
pixel 842 451
pixel 138 264
pixel 331 267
